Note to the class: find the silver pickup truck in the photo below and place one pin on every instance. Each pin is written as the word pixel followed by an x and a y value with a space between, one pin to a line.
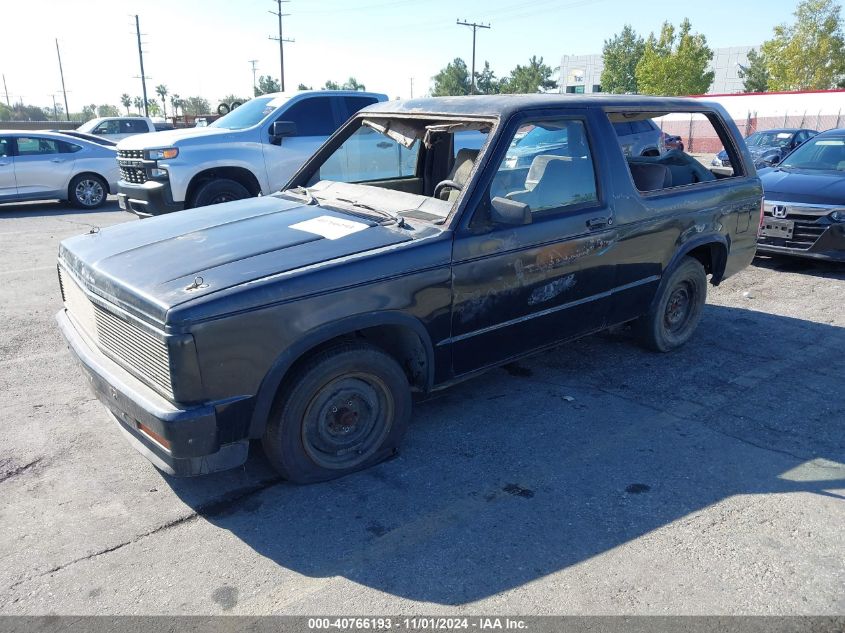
pixel 252 150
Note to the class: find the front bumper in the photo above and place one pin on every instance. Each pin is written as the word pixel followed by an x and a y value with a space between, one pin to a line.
pixel 190 443
pixel 812 240
pixel 145 200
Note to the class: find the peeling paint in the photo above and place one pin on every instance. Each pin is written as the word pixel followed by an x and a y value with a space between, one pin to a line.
pixel 551 290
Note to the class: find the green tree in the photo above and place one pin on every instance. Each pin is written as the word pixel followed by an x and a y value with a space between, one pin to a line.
pixel 107 110
pixel 485 81
pixel 535 77
pixel 810 53
pixel 755 73
pixel 675 63
pixel 452 80
pixel 89 112
pixel 161 91
pixel 126 101
pixel 621 54
pixel 266 85
pixel 138 102
pixel 5 112
pixel 331 85
pixel 152 107
pixel 302 86
pixel 232 98
pixel 196 106
pixel 175 103
pixel 352 84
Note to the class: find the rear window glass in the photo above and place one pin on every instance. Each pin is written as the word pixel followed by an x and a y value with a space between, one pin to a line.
pixel 313 117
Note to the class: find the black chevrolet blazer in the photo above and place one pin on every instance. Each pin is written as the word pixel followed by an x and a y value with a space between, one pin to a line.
pixel 426 241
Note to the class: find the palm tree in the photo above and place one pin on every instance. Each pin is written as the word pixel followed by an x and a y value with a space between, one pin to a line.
pixel 126 100
pixel 138 103
pixel 175 102
pixel 161 89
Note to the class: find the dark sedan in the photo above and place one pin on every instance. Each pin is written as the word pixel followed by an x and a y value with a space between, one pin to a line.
pixel 804 211
pixel 769 147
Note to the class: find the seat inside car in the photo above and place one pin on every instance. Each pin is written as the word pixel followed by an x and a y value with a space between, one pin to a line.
pixel 555 181
pixel 461 168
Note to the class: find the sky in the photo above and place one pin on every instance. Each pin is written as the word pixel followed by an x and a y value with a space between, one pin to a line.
pixel 392 46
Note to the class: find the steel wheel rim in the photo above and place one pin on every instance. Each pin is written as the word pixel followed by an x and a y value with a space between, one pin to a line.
pixel 221 198
pixel 347 420
pixel 89 192
pixel 679 307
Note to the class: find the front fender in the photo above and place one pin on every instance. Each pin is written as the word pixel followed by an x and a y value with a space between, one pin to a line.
pixel 320 335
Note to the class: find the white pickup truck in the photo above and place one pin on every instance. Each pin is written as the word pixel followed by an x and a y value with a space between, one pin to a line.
pixel 252 150
pixel 116 128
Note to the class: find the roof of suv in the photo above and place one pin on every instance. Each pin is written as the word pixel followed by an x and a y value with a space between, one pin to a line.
pixel 503 105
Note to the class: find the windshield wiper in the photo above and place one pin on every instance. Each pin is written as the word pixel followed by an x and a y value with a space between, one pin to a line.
pixel 304 193
pixel 386 214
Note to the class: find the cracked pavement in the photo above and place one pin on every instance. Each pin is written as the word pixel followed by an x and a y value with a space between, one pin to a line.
pixel 597 478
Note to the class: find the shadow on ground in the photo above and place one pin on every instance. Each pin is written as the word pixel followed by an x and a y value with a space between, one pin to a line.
pixel 526 471
pixel 802 266
pixel 52 208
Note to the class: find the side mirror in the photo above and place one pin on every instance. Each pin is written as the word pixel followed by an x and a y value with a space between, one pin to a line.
pixel 505 211
pixel 774 160
pixel 280 129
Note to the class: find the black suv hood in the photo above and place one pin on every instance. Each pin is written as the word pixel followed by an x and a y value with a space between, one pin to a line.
pixel 803 185
pixel 150 266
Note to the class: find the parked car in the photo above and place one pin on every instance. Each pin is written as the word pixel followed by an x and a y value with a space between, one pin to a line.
pixel 307 318
pixel 769 147
pixel 640 138
pixel 672 141
pixel 804 212
pixel 116 128
pixel 250 151
pixel 53 166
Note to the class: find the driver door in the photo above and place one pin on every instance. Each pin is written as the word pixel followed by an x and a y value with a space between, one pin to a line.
pixel 517 288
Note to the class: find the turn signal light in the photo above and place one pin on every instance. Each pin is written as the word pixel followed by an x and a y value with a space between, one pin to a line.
pixel 155 437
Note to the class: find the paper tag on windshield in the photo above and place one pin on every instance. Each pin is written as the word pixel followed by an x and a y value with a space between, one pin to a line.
pixel 329 227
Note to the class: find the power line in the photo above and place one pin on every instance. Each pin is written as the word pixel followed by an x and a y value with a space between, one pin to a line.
pixel 475 26
pixel 281 39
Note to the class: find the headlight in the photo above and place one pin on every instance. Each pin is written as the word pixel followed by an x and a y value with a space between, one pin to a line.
pixel 165 153
pixel 838 215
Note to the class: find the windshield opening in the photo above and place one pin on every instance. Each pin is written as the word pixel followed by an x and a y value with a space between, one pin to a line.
pixel 826 153
pixel 411 167
pixel 250 113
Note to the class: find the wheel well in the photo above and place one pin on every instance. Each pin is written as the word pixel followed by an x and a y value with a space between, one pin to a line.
pixel 713 257
pixel 402 343
pixel 238 174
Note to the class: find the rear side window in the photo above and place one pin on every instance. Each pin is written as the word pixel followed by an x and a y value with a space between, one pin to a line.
pixel 134 127
pixel 35 146
pixel 5 147
pixel 351 105
pixel 313 117
pixel 703 154
pixel 68 148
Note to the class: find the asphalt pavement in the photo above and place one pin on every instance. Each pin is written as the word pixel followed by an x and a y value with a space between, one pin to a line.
pixel 597 478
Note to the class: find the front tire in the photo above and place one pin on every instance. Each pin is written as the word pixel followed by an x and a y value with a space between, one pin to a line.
pixel 88 191
pixel 218 191
pixel 677 311
pixel 344 410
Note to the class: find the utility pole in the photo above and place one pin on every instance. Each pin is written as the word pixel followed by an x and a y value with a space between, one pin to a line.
pixel 141 58
pixel 412 87
pixel 55 110
pixel 6 90
pixel 62 74
pixel 253 62
pixel 475 26
pixel 281 39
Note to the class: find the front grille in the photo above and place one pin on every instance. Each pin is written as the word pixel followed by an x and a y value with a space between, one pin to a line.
pixel 136 174
pixel 805 232
pixel 141 353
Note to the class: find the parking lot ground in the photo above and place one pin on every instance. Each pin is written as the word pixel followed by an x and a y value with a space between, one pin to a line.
pixel 597 478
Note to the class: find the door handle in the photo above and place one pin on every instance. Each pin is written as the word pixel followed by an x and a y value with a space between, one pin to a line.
pixel 599 223
pixel 57 160
pixel 3 164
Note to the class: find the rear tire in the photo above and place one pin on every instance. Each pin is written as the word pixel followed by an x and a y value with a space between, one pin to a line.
pixel 87 191
pixel 677 311
pixel 218 191
pixel 344 410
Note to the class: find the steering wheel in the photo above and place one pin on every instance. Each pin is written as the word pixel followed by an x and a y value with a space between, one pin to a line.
pixel 443 184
